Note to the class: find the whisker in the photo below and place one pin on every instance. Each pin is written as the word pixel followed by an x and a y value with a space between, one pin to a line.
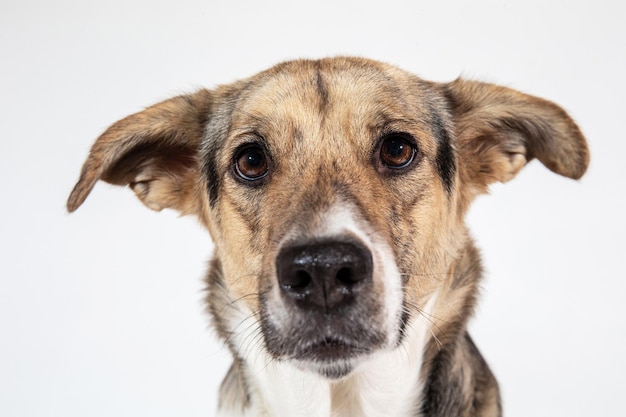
pixel 430 318
pixel 424 274
pixel 232 333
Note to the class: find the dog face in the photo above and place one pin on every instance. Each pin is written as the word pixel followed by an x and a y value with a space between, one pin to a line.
pixel 320 172
pixel 334 191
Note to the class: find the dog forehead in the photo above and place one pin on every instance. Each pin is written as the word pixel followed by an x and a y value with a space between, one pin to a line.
pixel 301 91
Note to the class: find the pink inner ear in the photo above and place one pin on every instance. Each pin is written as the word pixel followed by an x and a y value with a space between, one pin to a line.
pixel 516 162
pixel 152 193
pixel 161 178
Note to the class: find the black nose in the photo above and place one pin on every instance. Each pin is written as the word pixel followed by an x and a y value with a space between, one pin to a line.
pixel 324 275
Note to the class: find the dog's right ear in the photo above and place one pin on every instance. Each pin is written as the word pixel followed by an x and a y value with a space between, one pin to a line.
pixel 155 151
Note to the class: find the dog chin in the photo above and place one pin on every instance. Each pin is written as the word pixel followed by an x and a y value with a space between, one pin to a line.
pixel 333 370
pixel 331 358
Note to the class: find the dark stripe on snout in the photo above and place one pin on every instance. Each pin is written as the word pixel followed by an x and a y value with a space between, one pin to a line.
pixel 445 160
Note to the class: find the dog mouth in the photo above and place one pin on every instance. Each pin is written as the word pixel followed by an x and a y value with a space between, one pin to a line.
pixel 332 357
pixel 329 350
pixel 333 351
pixel 331 344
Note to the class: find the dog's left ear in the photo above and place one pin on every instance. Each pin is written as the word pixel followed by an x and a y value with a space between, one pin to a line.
pixel 499 130
pixel 154 151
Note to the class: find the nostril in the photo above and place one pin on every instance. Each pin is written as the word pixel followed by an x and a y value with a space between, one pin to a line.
pixel 297 284
pixel 346 276
pixel 301 279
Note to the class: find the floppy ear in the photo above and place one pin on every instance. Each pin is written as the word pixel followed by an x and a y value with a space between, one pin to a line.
pixel 154 151
pixel 499 130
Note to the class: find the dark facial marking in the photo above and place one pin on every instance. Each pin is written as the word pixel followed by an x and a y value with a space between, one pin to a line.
pixel 322 91
pixel 446 165
pixel 210 171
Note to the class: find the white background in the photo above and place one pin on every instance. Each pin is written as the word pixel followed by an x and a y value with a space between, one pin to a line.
pixel 101 312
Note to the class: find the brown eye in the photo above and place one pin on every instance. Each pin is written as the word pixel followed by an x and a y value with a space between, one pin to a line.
pixel 397 151
pixel 251 163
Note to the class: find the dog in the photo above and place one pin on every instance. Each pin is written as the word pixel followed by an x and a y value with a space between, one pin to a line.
pixel 343 275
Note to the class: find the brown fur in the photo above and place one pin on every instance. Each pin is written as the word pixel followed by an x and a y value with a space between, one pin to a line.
pixel 320 121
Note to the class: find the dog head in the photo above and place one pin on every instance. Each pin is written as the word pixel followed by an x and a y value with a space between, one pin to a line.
pixel 334 191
